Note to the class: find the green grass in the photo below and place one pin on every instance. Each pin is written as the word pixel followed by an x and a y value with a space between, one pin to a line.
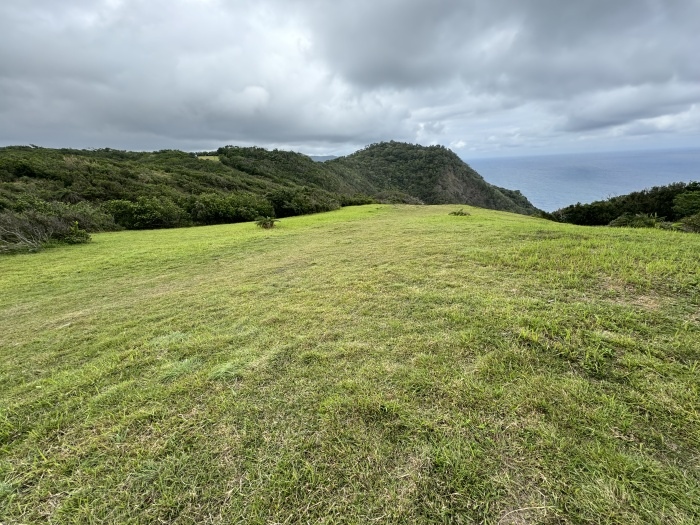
pixel 378 364
pixel 213 158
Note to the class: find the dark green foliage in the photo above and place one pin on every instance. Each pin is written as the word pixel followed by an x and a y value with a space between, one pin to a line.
pixel 397 197
pixel 460 213
pixel 147 213
pixel 691 223
pixel 266 222
pixel 433 175
pixel 357 200
pixel 214 208
pixel 301 201
pixel 76 235
pixel 637 220
pixel 687 203
pixel 664 201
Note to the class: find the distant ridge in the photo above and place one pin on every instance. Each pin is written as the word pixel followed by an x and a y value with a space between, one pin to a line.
pixel 322 158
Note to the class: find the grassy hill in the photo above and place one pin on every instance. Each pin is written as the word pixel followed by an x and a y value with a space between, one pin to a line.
pixel 376 364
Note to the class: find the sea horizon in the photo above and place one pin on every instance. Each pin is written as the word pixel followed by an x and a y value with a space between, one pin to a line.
pixel 553 181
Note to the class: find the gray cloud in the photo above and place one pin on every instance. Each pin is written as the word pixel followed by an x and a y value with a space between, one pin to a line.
pixel 478 75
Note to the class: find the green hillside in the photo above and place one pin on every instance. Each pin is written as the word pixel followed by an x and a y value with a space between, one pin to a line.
pixel 375 364
pixel 434 175
pixel 106 189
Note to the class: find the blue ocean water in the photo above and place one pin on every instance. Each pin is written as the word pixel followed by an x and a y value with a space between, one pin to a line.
pixel 554 181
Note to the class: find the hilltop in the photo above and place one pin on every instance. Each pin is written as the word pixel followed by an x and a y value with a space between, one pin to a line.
pixel 375 364
pixel 433 174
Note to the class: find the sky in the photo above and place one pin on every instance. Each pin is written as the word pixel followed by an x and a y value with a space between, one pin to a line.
pixel 486 78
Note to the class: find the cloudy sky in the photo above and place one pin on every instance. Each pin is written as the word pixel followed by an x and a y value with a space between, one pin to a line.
pixel 483 77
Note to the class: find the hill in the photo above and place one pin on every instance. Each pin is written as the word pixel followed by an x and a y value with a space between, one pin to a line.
pixel 434 175
pixel 136 190
pixel 376 364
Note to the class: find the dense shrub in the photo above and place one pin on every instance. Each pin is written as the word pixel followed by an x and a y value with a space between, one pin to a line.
pixel 356 200
pixel 213 208
pixel 32 230
pixel 637 220
pixel 147 213
pixel 673 202
pixel 686 204
pixel 691 223
pixel 290 202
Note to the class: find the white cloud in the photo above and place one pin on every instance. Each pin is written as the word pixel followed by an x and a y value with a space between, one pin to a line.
pixel 479 75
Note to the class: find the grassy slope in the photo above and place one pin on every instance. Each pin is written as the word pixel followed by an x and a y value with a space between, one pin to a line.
pixel 393 364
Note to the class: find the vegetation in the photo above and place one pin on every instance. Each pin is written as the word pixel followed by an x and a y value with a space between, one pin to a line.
pixel 36 224
pixel 169 188
pixel 637 220
pixel 460 213
pixel 434 175
pixel 375 364
pixel 670 203
pixel 266 222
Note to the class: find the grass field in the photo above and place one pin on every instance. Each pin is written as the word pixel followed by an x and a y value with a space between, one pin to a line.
pixel 378 364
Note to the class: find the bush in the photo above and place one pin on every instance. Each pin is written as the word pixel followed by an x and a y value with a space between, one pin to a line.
pixel 213 208
pixel 686 204
pixel 460 213
pixel 302 201
pixel 76 235
pixel 147 213
pixel 266 222
pixel 637 220
pixel 32 230
pixel 691 224
pixel 356 200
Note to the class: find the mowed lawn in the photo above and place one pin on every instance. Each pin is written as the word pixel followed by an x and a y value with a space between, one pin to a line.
pixel 378 364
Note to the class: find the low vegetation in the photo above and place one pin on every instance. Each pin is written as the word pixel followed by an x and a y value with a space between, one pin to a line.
pixel 375 364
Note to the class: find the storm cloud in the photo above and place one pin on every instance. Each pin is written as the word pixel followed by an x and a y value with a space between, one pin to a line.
pixel 480 76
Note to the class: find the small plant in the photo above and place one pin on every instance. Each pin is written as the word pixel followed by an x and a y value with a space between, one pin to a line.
pixel 460 212
pixel 266 222
pixel 76 235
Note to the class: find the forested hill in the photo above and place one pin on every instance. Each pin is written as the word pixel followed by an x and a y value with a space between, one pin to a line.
pixel 433 174
pixel 173 188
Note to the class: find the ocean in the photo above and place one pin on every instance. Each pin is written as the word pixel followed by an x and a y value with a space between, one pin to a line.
pixel 553 181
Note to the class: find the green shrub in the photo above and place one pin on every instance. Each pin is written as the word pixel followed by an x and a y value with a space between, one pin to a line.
pixel 637 220
pixel 214 208
pixel 147 213
pixel 32 230
pixel 356 200
pixel 76 235
pixel 460 213
pixel 266 222
pixel 687 203
pixel 691 223
pixel 301 201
